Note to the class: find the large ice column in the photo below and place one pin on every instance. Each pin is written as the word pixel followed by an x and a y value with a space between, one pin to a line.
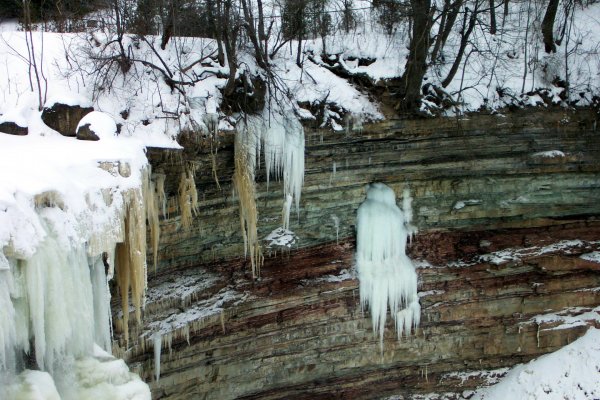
pixel 54 298
pixel 386 274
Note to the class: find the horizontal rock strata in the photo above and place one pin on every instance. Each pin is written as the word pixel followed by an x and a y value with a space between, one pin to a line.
pixel 506 206
pixel 479 172
pixel 299 332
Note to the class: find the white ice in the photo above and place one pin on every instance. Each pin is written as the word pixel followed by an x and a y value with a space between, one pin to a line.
pixel 386 274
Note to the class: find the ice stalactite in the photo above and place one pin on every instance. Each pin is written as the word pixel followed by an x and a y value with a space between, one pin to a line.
pixel 281 137
pixel 188 197
pixel 131 258
pixel 243 183
pixel 283 143
pixel 336 224
pixel 387 276
pixel 157 341
pixel 102 328
pixel 151 196
pixel 160 192
pixel 54 306
pixel 61 231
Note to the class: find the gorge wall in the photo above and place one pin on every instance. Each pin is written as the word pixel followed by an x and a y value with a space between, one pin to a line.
pixel 507 210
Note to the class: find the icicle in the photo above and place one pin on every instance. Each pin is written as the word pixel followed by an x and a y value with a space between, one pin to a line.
pixel 283 143
pixel 131 258
pixel 188 198
pixel 101 305
pixel 151 198
pixel 287 206
pixel 333 172
pixel 408 213
pixel 243 183
pixel 8 331
pixel 160 192
pixel 336 223
pixel 387 276
pixel 157 339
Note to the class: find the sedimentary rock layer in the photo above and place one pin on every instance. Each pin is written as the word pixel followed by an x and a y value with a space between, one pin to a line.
pixel 505 205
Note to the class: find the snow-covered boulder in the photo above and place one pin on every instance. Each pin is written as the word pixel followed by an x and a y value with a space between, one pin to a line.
pixel 12 128
pixel 63 117
pixel 95 126
pixel 14 122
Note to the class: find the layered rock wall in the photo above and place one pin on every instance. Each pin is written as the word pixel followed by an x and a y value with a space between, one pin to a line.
pixel 506 207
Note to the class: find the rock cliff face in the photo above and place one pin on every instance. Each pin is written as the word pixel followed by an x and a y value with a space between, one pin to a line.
pixel 507 211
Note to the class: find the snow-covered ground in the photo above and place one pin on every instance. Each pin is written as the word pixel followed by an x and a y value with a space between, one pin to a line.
pixel 572 373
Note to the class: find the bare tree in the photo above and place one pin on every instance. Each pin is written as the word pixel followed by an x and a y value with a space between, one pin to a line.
pixel 493 27
pixel 467 27
pixel 548 26
pixel 35 71
pixel 418 49
pixel 447 21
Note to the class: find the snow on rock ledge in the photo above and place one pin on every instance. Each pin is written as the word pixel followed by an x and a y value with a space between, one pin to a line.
pixel 95 126
pixel 569 373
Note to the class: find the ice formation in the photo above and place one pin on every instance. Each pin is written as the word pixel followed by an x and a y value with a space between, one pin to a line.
pixel 243 183
pixel 387 276
pixel 55 305
pixel 281 137
pixel 157 341
pixel 188 197
pixel 59 234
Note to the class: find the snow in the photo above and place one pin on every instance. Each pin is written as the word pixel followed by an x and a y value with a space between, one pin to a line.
pixel 62 200
pixel 549 154
pixel 198 311
pixel 32 385
pixel 568 318
pixel 459 205
pixel 593 256
pixel 569 373
pixel 490 377
pixel 386 274
pixel 102 124
pixel 280 237
pixel 62 204
pixel 70 173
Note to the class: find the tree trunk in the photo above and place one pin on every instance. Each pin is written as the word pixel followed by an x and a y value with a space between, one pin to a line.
pixel 416 64
pixel 168 26
pixel 255 38
pixel 229 35
pixel 450 13
pixel 548 26
pixel 464 40
pixel 492 17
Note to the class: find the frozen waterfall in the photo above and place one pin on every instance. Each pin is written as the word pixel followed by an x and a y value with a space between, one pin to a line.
pixel 55 330
pixel 386 274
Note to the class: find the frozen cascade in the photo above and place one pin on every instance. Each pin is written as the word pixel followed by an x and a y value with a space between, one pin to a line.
pixel 386 274
pixel 54 302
